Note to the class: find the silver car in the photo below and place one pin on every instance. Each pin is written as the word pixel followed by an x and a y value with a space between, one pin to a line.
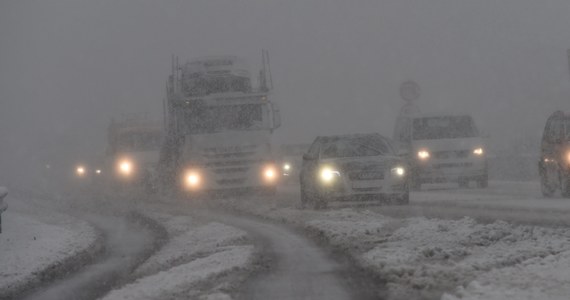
pixel 353 167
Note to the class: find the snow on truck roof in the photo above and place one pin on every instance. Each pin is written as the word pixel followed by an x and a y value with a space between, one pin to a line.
pixel 217 65
pixel 440 114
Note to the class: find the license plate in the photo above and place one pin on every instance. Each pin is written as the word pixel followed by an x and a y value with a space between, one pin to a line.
pixel 370 175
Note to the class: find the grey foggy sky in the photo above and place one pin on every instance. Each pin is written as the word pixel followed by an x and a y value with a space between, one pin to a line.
pixel 67 66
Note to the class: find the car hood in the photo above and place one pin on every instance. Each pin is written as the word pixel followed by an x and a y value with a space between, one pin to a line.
pixel 348 164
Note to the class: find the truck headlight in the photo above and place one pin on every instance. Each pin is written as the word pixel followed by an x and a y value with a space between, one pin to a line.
pixel 328 174
pixel 125 167
pixel 80 170
pixel 192 179
pixel 269 173
pixel 398 171
pixel 423 154
pixel 478 151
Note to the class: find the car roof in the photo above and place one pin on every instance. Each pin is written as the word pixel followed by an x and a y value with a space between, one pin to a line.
pixel 560 115
pixel 331 138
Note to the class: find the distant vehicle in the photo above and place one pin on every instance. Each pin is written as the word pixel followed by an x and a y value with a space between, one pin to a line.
pixel 219 129
pixel 554 164
pixel 3 206
pixel 133 152
pixel 291 161
pixel 353 167
pixel 444 148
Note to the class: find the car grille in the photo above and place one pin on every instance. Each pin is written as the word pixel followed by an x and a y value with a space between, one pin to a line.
pixel 451 154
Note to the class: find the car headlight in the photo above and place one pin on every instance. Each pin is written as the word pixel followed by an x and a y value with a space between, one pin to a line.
pixel 286 167
pixel 398 171
pixel 423 154
pixel 80 170
pixel 269 173
pixel 328 174
pixel 98 171
pixel 125 167
pixel 478 151
pixel 192 179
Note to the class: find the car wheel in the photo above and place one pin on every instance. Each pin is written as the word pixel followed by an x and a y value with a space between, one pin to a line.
pixel 564 184
pixel 546 188
pixel 403 199
pixel 305 199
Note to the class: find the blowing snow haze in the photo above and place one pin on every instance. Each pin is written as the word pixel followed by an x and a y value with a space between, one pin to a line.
pixel 67 67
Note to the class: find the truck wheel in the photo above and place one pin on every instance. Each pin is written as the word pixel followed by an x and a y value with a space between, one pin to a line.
pixel 415 183
pixel 564 184
pixel 483 181
pixel 403 199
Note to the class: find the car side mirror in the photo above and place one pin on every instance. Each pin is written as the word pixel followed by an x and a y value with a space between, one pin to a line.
pixel 308 156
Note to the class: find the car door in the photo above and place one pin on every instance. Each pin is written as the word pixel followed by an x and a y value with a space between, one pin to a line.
pixel 308 170
pixel 551 147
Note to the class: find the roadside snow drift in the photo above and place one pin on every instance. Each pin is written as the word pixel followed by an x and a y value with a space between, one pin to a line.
pixel 30 249
pixel 179 281
pixel 189 264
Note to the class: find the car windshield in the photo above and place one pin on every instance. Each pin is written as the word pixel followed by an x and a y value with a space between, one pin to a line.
pixel 355 147
pixel 444 127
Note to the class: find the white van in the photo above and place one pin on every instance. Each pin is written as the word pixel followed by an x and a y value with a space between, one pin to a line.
pixel 444 148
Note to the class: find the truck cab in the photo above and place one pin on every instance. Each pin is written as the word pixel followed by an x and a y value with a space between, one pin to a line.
pixel 220 129
pixel 445 147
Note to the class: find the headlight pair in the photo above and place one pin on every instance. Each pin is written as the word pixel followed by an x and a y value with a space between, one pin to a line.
pixel 425 154
pixel 81 171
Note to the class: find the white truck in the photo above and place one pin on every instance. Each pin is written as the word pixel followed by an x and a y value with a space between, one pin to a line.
pixel 219 129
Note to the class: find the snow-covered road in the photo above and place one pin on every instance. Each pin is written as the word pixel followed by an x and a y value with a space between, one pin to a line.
pixel 298 268
pixel 449 242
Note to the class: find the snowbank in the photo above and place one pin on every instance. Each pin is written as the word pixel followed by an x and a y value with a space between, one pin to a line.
pixel 181 281
pixel 32 250
pixel 538 278
pixel 196 254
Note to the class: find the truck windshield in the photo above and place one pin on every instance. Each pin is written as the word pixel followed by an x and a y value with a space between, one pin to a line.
pixel 140 141
pixel 445 127
pixel 200 85
pixel 355 147
pixel 209 119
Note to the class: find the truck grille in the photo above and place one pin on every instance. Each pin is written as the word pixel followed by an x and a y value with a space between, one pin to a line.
pixel 367 175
